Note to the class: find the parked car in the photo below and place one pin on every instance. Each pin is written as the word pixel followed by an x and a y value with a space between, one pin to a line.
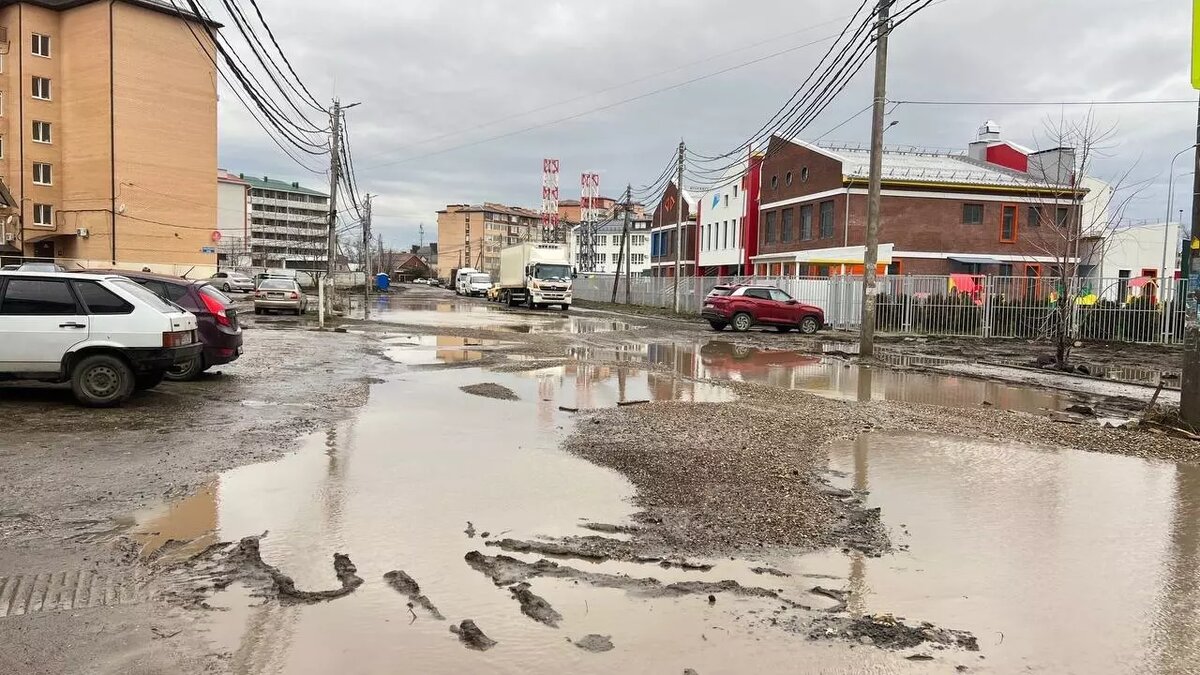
pixel 261 276
pixel 280 294
pixel 232 281
pixel 10 268
pixel 217 320
pixel 103 333
pixel 493 293
pixel 742 307
pixel 40 267
pixel 476 284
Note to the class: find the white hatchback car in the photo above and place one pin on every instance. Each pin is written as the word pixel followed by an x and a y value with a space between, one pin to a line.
pixel 103 333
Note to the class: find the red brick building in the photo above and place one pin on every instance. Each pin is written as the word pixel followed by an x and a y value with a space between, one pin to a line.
pixel 942 212
pixel 663 234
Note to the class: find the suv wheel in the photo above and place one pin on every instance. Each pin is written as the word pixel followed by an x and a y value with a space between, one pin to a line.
pixel 102 381
pixel 186 371
pixel 808 325
pixel 742 322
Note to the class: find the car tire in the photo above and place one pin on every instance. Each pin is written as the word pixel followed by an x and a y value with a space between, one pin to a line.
pixel 741 322
pixel 148 380
pixel 809 325
pixel 718 325
pixel 566 308
pixel 225 287
pixel 186 371
pixel 102 381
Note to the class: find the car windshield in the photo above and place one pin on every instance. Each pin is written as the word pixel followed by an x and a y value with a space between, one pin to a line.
pixel 278 285
pixel 145 295
pixel 551 272
pixel 480 279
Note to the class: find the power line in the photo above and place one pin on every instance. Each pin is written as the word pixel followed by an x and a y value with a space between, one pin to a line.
pixel 271 35
pixel 1048 103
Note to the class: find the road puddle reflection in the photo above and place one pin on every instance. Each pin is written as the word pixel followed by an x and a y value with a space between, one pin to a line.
pixel 434 349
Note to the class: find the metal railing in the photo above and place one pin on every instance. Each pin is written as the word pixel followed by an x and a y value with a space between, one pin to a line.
pixel 1116 309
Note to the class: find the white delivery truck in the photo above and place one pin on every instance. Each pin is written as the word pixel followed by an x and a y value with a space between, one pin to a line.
pixel 537 274
pixel 462 280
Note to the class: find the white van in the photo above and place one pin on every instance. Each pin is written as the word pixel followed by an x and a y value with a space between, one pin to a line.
pixel 103 333
pixel 478 284
pixel 462 280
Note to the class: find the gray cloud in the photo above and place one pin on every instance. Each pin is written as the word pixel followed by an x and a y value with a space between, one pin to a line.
pixel 437 75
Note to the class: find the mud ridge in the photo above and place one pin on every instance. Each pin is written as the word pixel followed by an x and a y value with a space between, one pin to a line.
pixel 535 606
pixel 471 636
pixel 491 390
pixel 888 633
pixel 595 549
pixel 402 583
pixel 594 643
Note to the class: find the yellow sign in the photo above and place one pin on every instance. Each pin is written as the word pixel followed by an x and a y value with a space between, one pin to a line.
pixel 1195 244
pixel 1196 44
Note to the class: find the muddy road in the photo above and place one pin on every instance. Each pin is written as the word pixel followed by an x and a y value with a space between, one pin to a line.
pixel 450 486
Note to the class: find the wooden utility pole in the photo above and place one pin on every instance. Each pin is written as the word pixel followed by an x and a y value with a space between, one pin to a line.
pixel 678 223
pixel 335 168
pixel 1189 395
pixel 621 252
pixel 866 342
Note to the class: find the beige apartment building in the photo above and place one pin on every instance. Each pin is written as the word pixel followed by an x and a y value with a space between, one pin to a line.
pixel 472 235
pixel 108 133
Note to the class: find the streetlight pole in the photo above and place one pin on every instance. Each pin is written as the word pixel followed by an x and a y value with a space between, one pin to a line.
pixel 1170 199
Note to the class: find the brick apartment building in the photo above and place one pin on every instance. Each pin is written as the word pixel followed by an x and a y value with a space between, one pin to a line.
pixel 472 235
pixel 663 234
pixel 995 209
pixel 728 218
pixel 108 126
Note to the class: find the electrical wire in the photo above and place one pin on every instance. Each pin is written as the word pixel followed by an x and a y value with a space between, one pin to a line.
pixel 283 56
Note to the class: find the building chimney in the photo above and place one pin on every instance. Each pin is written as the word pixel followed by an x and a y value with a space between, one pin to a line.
pixel 1055 166
pixel 988 133
pixel 266 179
pixel 296 185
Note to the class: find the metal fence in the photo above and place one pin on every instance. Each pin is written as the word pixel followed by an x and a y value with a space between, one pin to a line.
pixel 1121 309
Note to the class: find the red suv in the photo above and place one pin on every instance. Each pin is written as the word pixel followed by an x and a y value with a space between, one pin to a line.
pixel 743 307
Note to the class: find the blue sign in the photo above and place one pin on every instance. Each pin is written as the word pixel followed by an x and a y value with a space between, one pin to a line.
pixel 208 249
pixel 716 200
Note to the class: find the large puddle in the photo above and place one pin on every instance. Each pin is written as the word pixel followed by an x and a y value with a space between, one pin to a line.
pixel 460 313
pixel 829 376
pixel 416 350
pixel 1060 561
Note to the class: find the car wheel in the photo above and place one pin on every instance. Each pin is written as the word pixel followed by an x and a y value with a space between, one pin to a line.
pixel 186 371
pixel 150 380
pixel 566 308
pixel 809 325
pixel 102 381
pixel 225 287
pixel 299 311
pixel 718 325
pixel 742 322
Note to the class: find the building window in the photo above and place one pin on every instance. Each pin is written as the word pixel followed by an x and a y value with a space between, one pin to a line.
pixel 41 45
pixel 769 235
pixel 1008 224
pixel 726 201
pixel 774 182
pixel 972 214
pixel 787 225
pixel 42 174
pixel 1035 216
pixel 1 147
pixel 806 222
pixel 41 132
pixel 1061 215
pixel 1006 270
pixel 43 214
pixel 41 88
pixel 787 178
pixel 735 188
pixel 827 220
pixel 804 174
pixel 1 104
pixel 725 234
pixel 1122 284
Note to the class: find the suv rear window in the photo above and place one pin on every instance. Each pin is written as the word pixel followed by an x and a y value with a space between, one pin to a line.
pixel 145 295
pixel 100 300
pixel 720 290
pixel 39 297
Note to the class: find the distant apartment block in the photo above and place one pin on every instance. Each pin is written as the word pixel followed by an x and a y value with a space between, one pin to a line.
pixel 289 224
pixel 108 133
pixel 472 235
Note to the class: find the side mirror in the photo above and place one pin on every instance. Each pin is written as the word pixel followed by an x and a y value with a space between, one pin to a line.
pixel 793 302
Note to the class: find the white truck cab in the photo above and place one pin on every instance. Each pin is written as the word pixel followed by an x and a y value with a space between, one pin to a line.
pixel 462 280
pixel 478 284
pixel 103 333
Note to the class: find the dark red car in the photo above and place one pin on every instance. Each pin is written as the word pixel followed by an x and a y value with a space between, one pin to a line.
pixel 742 307
pixel 216 319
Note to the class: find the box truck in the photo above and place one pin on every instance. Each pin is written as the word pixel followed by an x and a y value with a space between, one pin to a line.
pixel 536 274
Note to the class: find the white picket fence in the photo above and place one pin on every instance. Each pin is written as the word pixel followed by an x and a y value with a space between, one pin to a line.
pixel 1126 310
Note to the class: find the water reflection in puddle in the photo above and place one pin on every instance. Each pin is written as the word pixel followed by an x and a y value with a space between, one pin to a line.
pixel 465 314
pixel 1059 561
pixel 582 385
pixel 433 349
pixel 829 376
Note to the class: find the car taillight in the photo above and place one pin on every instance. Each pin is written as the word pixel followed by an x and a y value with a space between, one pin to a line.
pixel 179 338
pixel 216 308
pixel 295 295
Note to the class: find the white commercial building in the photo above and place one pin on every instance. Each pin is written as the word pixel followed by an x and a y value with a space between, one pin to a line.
pixel 233 221
pixel 1129 256
pixel 608 245
pixel 722 218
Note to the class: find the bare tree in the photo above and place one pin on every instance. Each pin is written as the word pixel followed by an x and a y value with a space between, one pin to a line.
pixel 1072 215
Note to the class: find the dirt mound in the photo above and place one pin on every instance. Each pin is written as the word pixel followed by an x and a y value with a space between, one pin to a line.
pixel 471 636
pixel 491 390
pixel 405 584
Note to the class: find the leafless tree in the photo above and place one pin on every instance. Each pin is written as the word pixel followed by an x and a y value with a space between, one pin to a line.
pixel 1073 214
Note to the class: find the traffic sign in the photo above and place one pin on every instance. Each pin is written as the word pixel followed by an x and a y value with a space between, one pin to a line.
pixel 208 249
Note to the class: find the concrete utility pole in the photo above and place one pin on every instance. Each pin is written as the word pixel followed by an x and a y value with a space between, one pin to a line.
pixel 335 170
pixel 368 279
pixel 621 252
pixel 866 340
pixel 678 223
pixel 1189 395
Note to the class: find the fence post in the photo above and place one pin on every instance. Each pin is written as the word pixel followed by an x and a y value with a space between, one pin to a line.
pixel 988 286
pixel 908 303
pixel 1076 287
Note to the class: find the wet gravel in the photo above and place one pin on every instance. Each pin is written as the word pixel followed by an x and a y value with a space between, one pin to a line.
pixel 491 390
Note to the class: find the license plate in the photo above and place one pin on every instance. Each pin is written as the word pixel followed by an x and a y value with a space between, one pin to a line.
pixel 274 295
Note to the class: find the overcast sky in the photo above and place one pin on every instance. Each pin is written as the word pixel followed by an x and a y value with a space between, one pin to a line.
pixel 440 81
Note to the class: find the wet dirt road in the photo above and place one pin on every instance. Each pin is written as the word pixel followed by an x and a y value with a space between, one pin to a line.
pixel 1052 559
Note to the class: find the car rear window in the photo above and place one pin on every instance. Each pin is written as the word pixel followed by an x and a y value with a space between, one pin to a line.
pixel 278 285
pixel 100 300
pixel 215 294
pixel 145 295
pixel 721 290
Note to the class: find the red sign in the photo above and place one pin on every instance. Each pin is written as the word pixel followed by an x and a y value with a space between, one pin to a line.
pixel 216 236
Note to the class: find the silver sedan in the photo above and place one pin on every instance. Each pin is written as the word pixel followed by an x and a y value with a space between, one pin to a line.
pixel 281 295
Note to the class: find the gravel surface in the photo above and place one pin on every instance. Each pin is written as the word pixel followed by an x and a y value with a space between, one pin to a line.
pixel 491 390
